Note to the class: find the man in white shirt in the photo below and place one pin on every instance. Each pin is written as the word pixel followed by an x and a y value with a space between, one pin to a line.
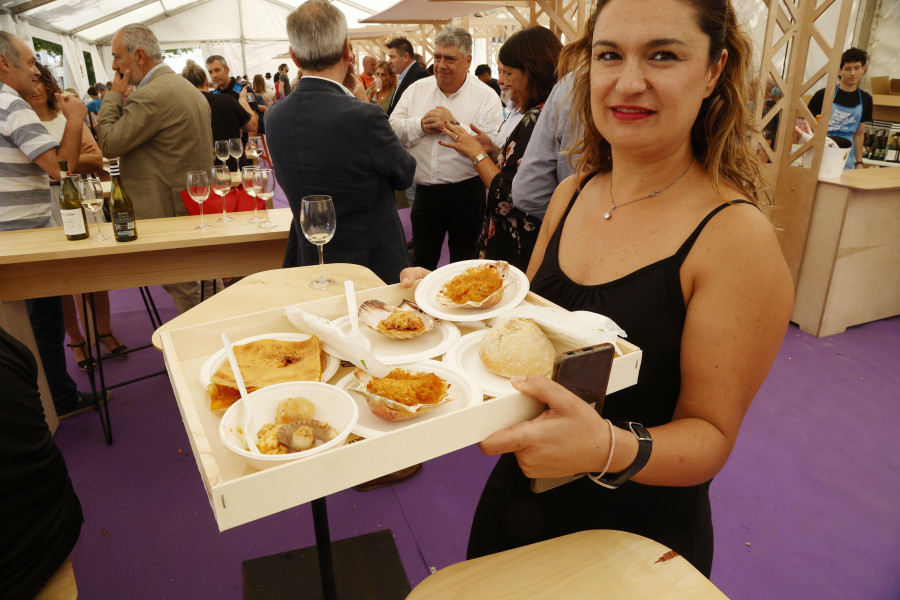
pixel 449 192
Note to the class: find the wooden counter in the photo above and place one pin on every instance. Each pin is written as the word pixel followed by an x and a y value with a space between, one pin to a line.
pixel 41 262
pixel 850 273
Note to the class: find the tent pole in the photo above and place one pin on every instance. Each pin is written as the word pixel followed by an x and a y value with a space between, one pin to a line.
pixel 243 47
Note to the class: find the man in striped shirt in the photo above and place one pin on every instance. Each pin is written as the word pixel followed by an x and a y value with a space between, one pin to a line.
pixel 28 158
pixel 28 154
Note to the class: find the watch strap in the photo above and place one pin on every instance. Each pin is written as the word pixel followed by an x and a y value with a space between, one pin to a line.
pixel 645 446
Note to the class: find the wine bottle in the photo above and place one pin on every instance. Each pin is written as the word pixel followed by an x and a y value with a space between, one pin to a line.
pixel 70 209
pixel 867 142
pixel 892 150
pixel 120 207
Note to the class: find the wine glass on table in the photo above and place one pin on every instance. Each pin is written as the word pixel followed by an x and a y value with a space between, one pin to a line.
pixel 220 181
pixel 222 150
pixel 236 149
pixel 318 222
pixel 254 146
pixel 247 181
pixel 264 186
pixel 198 190
pixel 92 200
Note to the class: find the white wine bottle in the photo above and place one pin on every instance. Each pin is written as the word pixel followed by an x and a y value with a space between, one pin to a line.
pixel 70 209
pixel 120 207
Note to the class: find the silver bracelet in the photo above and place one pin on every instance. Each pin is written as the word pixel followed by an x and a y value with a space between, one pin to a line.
pixel 595 477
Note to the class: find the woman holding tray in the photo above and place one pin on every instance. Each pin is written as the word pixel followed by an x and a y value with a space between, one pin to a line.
pixel 659 230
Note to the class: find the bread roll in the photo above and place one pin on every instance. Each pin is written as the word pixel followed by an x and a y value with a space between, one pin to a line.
pixel 517 347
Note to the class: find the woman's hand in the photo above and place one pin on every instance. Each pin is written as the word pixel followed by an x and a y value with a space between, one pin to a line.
pixel 410 275
pixel 461 141
pixel 569 437
pixel 487 143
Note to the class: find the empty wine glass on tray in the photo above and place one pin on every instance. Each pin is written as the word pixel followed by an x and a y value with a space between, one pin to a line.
pixel 92 200
pixel 221 185
pixel 254 146
pixel 236 148
pixel 264 186
pixel 318 222
pixel 222 150
pixel 198 190
pixel 247 181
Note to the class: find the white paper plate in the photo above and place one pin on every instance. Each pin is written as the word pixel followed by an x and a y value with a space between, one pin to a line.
pixel 428 288
pixel 370 426
pixel 463 357
pixel 400 352
pixel 215 361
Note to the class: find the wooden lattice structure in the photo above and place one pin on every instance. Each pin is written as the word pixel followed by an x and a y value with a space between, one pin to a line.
pixel 791 32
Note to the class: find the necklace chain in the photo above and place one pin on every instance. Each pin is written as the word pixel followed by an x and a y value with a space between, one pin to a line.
pixel 614 206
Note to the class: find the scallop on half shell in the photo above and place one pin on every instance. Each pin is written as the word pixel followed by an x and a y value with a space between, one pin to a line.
pixel 402 322
pixel 301 434
pixel 468 283
pixel 413 386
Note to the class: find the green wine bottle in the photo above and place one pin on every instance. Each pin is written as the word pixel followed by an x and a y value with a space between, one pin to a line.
pixel 70 209
pixel 120 207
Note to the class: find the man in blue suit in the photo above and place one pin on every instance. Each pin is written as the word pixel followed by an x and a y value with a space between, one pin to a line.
pixel 323 139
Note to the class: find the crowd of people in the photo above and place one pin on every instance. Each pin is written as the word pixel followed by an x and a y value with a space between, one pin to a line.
pixel 616 172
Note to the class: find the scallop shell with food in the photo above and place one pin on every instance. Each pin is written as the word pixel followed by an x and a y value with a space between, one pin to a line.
pixel 480 286
pixel 403 394
pixel 402 322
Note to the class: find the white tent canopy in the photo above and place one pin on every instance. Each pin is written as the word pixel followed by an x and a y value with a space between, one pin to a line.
pixel 250 34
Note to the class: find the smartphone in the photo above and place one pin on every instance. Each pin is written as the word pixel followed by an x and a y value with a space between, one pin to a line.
pixel 585 373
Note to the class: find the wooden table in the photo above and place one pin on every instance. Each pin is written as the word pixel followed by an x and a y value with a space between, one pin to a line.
pixel 580 566
pixel 850 273
pixel 42 262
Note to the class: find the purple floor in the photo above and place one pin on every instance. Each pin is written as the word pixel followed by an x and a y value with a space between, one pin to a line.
pixel 805 508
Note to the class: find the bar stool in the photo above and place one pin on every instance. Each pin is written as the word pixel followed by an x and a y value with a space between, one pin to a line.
pixel 586 565
pixel 61 585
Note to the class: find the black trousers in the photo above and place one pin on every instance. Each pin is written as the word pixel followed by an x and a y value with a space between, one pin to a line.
pixel 456 209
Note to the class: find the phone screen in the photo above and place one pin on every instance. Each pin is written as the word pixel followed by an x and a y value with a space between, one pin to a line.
pixel 585 373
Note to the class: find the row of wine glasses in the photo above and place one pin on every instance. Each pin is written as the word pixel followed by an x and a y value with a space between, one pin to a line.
pixel 258 183
pixel 235 148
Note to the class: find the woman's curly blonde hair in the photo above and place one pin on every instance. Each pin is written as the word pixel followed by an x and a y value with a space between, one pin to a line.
pixel 721 135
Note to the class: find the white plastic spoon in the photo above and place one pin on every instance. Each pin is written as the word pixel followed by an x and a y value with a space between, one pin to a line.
pixel 245 426
pixel 355 336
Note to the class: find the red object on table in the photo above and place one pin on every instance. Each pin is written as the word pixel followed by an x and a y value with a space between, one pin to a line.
pixel 237 200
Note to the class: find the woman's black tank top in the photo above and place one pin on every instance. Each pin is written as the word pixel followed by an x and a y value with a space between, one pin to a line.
pixel 649 305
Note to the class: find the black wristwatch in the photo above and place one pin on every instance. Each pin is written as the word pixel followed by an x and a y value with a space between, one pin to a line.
pixel 645 446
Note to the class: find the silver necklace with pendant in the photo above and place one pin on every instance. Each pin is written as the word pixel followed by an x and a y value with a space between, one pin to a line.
pixel 608 214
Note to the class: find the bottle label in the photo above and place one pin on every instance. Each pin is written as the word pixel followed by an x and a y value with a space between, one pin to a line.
pixel 73 221
pixel 891 155
pixel 123 223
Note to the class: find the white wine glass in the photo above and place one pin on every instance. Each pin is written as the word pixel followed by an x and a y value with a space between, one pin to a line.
pixel 247 181
pixel 220 181
pixel 222 150
pixel 254 146
pixel 318 222
pixel 264 186
pixel 92 200
pixel 236 149
pixel 198 190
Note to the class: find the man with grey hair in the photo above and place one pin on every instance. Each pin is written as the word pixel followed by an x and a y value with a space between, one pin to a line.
pixel 356 159
pixel 160 134
pixel 29 160
pixel 449 192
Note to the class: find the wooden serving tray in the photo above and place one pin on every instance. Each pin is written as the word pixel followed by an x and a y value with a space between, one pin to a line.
pixel 239 494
